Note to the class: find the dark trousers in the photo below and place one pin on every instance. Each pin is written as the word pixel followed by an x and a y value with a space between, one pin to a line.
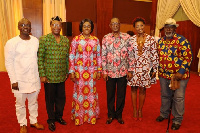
pixel 55 100
pixel 111 84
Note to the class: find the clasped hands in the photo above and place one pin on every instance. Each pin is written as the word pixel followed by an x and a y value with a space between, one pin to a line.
pixel 129 76
pixel 175 81
pixel 178 76
pixel 45 80
pixel 73 76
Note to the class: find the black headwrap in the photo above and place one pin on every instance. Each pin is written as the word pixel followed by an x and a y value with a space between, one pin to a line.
pixel 55 18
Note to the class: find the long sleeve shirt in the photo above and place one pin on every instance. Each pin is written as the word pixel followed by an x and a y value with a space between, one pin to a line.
pixel 174 56
pixel 85 54
pixel 116 58
pixel 145 62
pixel 53 58
pixel 21 63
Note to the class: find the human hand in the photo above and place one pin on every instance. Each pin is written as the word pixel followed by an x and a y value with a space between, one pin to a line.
pixel 15 86
pixel 98 76
pixel 174 84
pixel 129 76
pixel 178 76
pixel 72 77
pixel 44 79
pixel 67 76
pixel 105 77
pixel 153 75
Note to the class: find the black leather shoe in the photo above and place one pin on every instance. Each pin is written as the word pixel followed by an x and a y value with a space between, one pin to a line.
pixel 61 121
pixel 109 120
pixel 160 119
pixel 175 126
pixel 52 126
pixel 120 120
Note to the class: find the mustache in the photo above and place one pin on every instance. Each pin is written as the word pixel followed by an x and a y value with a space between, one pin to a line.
pixel 169 35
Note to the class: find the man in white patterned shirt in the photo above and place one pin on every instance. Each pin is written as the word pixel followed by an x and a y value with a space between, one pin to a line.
pixel 116 60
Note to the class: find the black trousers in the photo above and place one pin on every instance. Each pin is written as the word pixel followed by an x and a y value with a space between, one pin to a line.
pixel 55 100
pixel 113 85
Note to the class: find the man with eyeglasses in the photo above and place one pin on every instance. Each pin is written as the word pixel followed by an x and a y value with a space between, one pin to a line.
pixel 22 68
pixel 116 59
pixel 53 63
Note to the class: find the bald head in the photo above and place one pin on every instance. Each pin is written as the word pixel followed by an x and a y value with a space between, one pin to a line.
pixel 115 25
pixel 114 20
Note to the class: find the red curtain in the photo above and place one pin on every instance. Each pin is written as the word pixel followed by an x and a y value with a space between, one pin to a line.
pixel 192 33
pixel 104 15
pixel 153 14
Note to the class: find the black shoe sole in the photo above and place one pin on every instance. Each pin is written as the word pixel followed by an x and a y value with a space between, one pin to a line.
pixel 52 129
pixel 175 126
pixel 160 119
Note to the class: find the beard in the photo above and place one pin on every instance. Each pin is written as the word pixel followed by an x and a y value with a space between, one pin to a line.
pixel 169 35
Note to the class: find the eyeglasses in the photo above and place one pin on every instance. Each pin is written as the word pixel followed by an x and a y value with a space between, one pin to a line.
pixel 26 25
pixel 113 24
pixel 86 26
pixel 56 25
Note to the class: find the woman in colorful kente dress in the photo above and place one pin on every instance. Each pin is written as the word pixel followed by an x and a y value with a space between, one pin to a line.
pixel 85 70
pixel 144 49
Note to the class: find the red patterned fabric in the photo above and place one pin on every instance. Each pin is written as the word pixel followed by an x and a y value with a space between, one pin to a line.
pixel 85 62
pixel 116 58
pixel 143 63
pixel 174 56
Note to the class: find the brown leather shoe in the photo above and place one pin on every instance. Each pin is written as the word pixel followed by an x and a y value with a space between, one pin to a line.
pixel 23 129
pixel 37 126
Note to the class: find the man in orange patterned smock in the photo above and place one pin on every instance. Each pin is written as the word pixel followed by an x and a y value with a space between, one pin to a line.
pixel 85 68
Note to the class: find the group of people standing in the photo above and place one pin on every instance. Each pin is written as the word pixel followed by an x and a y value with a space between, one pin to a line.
pixel 121 60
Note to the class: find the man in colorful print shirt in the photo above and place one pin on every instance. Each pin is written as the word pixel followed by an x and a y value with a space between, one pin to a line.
pixel 53 63
pixel 116 60
pixel 175 57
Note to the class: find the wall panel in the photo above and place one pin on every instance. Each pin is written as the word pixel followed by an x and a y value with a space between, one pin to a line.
pixel 32 10
pixel 104 15
pixel 127 10
pixel 76 10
